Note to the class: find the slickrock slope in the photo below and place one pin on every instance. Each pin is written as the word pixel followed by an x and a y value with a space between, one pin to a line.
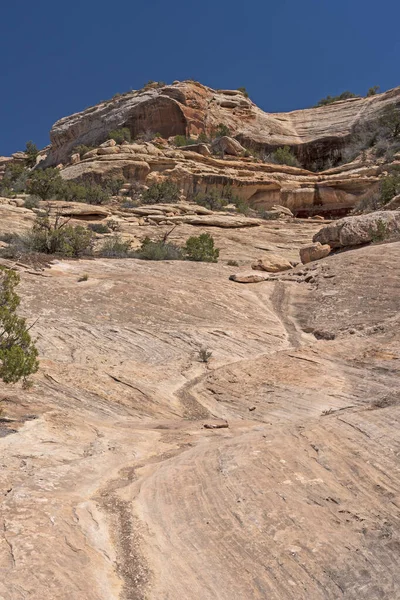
pixel 111 487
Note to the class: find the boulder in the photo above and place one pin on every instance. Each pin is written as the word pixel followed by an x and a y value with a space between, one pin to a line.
pixel 272 264
pixel 249 277
pixel 314 252
pixel 361 229
pixel 108 144
pixel 229 145
pixel 75 158
pixel 283 210
pixel 202 149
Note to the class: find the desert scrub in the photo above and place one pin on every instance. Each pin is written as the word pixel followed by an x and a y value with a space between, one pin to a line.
pixel 31 202
pixel 115 247
pixel 120 135
pixel 182 140
pixel 45 184
pixel 51 235
pixel 164 191
pixel 283 156
pixel 82 149
pixel 389 187
pixel 201 248
pixel 18 354
pixel 99 228
pixel 212 199
pixel 158 250
pixel 204 355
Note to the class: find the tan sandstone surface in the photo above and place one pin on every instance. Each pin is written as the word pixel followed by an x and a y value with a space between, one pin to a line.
pixel 113 488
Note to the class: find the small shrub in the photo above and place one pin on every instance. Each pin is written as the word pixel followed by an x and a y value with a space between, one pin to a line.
pixel 56 236
pixel 203 138
pixel 120 135
pixel 82 149
pixel 232 263
pixel 127 204
pixel 84 277
pixel 204 355
pixel 182 140
pixel 91 193
pixel 114 185
pixel 201 248
pixel 244 91
pixel 390 120
pixel 18 354
pixel 389 187
pixel 158 250
pixel 14 174
pixel 283 156
pixel 373 91
pixel 99 228
pixel 45 183
pixel 329 99
pixel 113 225
pixel 31 152
pixel 31 202
pixel 95 194
pixel 115 247
pixel 165 191
pixel 380 232
pixel 222 131
pixel 212 199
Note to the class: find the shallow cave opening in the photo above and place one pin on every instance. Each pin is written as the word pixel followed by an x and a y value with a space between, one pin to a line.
pixel 159 115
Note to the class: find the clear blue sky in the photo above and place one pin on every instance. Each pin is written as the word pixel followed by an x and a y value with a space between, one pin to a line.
pixel 60 57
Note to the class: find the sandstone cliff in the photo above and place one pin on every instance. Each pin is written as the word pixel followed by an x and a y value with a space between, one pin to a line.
pixel 189 108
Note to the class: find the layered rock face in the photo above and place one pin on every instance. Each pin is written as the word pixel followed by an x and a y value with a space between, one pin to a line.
pixel 189 108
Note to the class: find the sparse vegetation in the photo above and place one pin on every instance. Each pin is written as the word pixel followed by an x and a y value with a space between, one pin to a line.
pixel 84 277
pixel 373 91
pixel 14 180
pixel 52 235
pixel 31 202
pixel 212 199
pixel 390 121
pixel 120 135
pixel 222 130
pixel 164 191
pixel 204 355
pixel 31 152
pixel 113 225
pixel 182 140
pixel 389 187
pixel 380 232
pixel 82 149
pixel 283 156
pixel 45 184
pixel 329 99
pixel 201 248
pixel 18 354
pixel 232 263
pixel 244 91
pixel 99 228
pixel 115 247
pixel 158 250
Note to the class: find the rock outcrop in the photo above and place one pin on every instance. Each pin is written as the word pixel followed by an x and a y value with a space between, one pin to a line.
pixel 361 229
pixel 189 108
pixel 313 252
